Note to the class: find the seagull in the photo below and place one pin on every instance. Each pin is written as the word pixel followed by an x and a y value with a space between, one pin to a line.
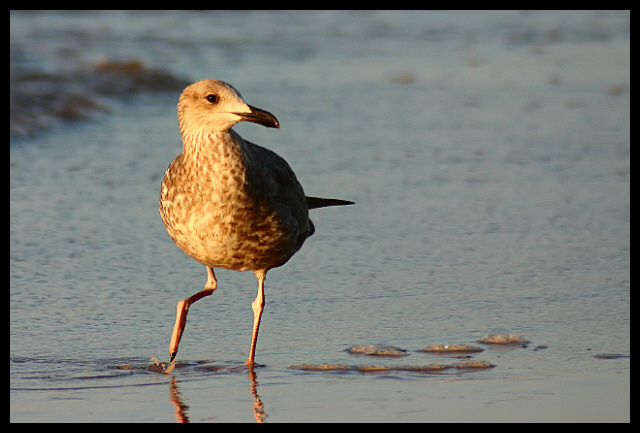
pixel 229 203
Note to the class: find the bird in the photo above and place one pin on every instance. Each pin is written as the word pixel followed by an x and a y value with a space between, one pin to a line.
pixel 228 203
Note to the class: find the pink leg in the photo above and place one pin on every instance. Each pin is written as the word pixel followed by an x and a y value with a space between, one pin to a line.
pixel 257 305
pixel 182 309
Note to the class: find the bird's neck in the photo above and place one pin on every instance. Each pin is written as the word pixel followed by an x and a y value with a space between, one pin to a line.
pixel 197 142
pixel 217 152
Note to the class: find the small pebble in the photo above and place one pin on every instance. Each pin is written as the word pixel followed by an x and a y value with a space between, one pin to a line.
pixel 502 339
pixel 370 368
pixel 319 367
pixel 467 364
pixel 451 348
pixel 377 350
pixel 432 368
pixel 425 368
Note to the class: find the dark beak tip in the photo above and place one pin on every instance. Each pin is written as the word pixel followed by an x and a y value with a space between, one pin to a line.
pixel 261 117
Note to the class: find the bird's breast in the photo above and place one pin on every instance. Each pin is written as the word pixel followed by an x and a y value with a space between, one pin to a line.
pixel 210 213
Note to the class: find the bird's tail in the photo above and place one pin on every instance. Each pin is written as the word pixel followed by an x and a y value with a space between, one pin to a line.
pixel 316 202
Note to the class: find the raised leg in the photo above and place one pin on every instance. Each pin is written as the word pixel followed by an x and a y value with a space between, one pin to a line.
pixel 183 308
pixel 257 306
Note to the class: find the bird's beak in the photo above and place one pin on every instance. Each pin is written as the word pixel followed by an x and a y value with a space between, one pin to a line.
pixel 262 117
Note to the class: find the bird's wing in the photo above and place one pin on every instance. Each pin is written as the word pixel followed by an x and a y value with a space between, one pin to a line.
pixel 278 181
pixel 271 176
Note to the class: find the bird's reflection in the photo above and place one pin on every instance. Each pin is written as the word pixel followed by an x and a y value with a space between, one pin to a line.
pixel 176 401
pixel 258 406
pixel 181 409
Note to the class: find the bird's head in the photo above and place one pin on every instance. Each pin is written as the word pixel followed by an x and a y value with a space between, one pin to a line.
pixel 210 106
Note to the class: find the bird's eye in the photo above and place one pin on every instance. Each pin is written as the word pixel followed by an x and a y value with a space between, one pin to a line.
pixel 212 98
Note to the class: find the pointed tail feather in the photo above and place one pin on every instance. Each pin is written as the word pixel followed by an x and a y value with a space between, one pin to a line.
pixel 316 202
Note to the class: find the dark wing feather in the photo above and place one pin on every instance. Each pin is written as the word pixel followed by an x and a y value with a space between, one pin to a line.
pixel 316 202
pixel 275 180
pixel 272 180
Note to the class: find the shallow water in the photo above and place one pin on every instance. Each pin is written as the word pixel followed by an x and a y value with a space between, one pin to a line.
pixel 489 156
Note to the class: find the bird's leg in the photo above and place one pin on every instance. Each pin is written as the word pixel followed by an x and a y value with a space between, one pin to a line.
pixel 257 305
pixel 182 309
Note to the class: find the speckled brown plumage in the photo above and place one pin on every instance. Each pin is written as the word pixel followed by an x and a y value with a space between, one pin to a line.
pixel 229 203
